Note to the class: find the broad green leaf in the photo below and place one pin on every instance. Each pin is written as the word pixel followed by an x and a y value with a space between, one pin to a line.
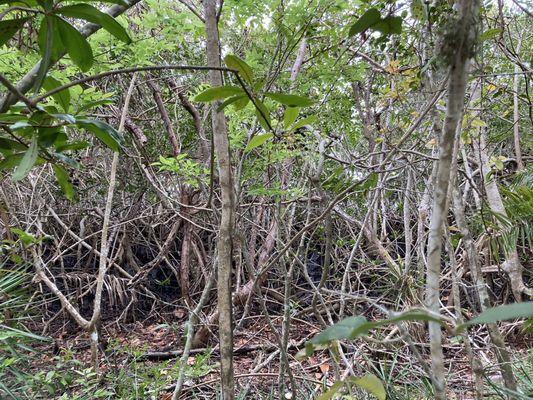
pixel 50 48
pixel 76 45
pixel 291 113
pixel 489 34
pixel 106 133
pixel 218 93
pixel 290 100
pixel 48 135
pixel 368 19
pixel 67 160
pixel 372 384
pixel 8 146
pixel 341 330
pixel 304 121
pixel 244 69
pixel 263 114
pixel 27 162
pixel 9 27
pixel 73 146
pixel 11 161
pixel 257 141
pixel 500 313
pixel 389 25
pixel 92 14
pixel 239 101
pixel 63 181
pixel 332 391
pixel 63 97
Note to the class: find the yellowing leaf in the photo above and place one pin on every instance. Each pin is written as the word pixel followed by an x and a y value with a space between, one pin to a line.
pixel 371 384
pixel 478 123
pixel 431 144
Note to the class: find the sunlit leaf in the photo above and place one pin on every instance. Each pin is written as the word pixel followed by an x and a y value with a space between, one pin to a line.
pixel 257 141
pixel 291 113
pixel 372 384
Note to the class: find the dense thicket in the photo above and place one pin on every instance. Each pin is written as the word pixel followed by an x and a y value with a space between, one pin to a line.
pixel 301 198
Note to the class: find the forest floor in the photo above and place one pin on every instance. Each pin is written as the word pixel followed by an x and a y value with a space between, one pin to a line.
pixel 141 361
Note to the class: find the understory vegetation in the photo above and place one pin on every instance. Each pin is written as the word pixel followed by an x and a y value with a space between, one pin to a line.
pixel 279 199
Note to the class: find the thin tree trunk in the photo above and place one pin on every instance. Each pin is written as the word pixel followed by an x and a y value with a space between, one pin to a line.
pixel 225 236
pixel 516 113
pixel 502 354
pixel 511 265
pixel 103 264
pixel 174 141
pixel 459 61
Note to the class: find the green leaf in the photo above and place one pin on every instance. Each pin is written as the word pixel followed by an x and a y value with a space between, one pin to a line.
pixel 239 101
pixel 63 97
pixel 332 391
pixel 73 146
pixel 263 114
pixel 218 93
pixel 50 48
pixel 368 19
pixel 9 27
pixel 372 384
pixel 11 161
pixel 291 113
pixel 244 69
pixel 418 10
pixel 106 133
pixel 489 34
pixel 389 25
pixel 290 100
pixel 8 146
pixel 500 313
pixel 348 328
pixel 257 141
pixel 48 135
pixel 92 14
pixel 76 45
pixel 63 181
pixel 24 237
pixel 27 162
pixel 304 121
pixel 370 182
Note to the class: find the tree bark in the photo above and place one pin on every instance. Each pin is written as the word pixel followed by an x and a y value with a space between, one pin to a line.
pixel 511 265
pixel 225 236
pixel 459 59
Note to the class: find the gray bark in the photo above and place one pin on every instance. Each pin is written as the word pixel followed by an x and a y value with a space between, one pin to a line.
pixel 225 236
pixel 459 60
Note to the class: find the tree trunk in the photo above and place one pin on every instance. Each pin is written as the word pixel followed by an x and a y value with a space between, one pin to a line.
pixel 459 59
pixel 225 236
pixel 511 265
